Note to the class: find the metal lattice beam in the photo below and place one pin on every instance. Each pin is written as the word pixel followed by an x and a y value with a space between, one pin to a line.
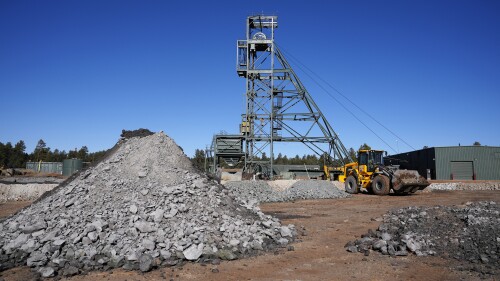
pixel 278 106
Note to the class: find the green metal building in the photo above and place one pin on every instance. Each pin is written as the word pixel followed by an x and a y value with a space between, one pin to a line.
pixel 71 166
pixel 452 162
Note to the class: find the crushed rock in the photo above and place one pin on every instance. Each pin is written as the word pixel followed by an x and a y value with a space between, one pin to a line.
pixel 30 180
pixel 23 192
pixel 464 186
pixel 103 218
pixel 262 191
pixel 468 233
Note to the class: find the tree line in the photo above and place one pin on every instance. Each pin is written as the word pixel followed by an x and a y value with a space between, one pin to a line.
pixel 307 159
pixel 312 159
pixel 15 156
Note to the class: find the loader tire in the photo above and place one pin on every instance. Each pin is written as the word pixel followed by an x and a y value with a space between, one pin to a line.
pixel 351 185
pixel 381 185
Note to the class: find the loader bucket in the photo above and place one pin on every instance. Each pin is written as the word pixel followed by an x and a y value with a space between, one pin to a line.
pixel 404 181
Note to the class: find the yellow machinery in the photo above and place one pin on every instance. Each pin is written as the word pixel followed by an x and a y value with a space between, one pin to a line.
pixel 370 174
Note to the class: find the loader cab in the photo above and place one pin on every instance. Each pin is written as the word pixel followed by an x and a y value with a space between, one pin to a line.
pixel 371 159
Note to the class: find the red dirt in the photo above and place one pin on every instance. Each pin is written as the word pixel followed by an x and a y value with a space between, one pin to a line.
pixel 320 253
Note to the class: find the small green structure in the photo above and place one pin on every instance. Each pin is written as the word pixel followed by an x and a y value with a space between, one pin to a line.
pixel 71 166
pixel 45 167
pixel 451 162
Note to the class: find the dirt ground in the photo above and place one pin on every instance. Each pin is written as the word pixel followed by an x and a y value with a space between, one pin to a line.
pixel 319 253
pixel 11 207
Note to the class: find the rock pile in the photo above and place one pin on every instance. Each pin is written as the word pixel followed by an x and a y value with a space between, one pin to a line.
pixel 31 180
pixel 142 206
pixel 23 192
pixel 11 172
pixel 260 191
pixel 464 186
pixel 467 233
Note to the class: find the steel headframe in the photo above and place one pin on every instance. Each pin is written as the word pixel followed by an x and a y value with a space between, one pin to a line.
pixel 278 106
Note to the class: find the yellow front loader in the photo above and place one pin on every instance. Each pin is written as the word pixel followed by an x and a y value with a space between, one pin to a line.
pixel 370 174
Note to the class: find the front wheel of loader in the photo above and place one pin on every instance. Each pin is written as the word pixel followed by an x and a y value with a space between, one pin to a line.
pixel 351 185
pixel 381 185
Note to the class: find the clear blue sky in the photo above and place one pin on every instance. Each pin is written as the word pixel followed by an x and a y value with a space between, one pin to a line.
pixel 76 73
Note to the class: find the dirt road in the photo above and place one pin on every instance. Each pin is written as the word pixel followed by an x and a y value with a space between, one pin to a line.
pixel 319 253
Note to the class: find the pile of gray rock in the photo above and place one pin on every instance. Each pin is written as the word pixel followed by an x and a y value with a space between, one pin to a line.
pixel 143 206
pixel 253 191
pixel 11 172
pixel 31 180
pixel 464 186
pixel 26 188
pixel 468 233
pixel 260 191
pixel 23 192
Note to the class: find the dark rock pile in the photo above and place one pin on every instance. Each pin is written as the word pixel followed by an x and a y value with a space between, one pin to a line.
pixel 141 207
pixel 126 134
pixel 260 191
pixel 469 233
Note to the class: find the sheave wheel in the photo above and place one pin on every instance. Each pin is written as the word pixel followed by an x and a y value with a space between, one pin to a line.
pixel 381 185
pixel 351 185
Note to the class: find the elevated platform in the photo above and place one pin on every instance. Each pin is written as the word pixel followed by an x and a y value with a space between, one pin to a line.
pixel 229 148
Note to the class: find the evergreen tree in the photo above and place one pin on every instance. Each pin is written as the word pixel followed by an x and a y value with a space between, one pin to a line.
pixel 199 159
pixel 353 155
pixel 56 156
pixel 40 152
pixel 264 157
pixel 365 147
pixel 8 150
pixel 5 152
pixel 73 154
pixel 279 159
pixel 285 160
pixel 82 153
pixel 18 156
pixel 95 156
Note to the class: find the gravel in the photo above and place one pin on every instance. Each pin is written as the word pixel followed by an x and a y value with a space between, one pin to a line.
pixel 141 207
pixel 468 233
pixel 32 180
pixel 261 191
pixel 23 192
pixel 464 186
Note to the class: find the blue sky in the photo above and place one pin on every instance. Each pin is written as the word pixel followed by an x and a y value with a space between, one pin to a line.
pixel 76 73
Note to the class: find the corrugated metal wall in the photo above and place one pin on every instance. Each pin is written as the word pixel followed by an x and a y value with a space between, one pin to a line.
pixel 71 166
pixel 419 160
pixel 440 160
pixel 462 170
pixel 485 161
pixel 45 167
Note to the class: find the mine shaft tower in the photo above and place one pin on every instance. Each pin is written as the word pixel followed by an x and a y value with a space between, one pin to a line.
pixel 278 106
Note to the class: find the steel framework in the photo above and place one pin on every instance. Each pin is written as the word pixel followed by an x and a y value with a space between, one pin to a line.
pixel 278 106
pixel 228 148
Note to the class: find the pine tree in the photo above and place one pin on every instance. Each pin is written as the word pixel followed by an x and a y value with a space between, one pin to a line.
pixel 4 154
pixel 352 153
pixel 82 153
pixel 365 147
pixel 199 159
pixel 18 156
pixel 40 151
